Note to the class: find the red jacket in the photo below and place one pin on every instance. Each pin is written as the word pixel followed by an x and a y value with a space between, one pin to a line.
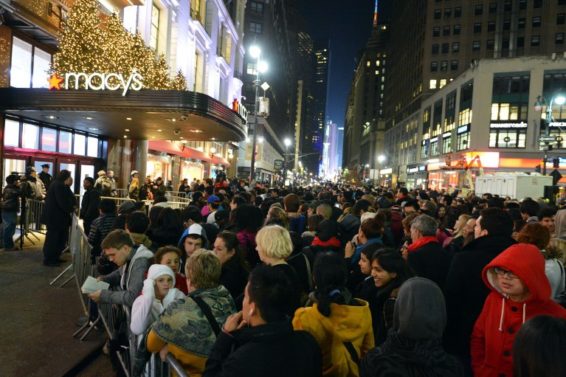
pixel 496 327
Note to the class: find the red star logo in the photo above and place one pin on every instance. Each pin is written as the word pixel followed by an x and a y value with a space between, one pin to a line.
pixel 55 82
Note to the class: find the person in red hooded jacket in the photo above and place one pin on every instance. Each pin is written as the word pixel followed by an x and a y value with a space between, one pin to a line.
pixel 519 291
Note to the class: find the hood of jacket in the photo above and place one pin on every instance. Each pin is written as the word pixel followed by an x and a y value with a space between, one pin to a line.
pixel 525 261
pixel 420 311
pixel 346 322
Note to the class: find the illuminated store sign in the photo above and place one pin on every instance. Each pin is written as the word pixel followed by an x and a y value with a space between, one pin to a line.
pixel 508 125
pixel 97 81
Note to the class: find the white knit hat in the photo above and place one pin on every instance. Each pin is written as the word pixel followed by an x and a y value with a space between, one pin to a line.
pixel 157 270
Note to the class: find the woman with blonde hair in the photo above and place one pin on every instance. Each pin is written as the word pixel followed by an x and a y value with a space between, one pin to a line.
pixel 459 236
pixel 134 189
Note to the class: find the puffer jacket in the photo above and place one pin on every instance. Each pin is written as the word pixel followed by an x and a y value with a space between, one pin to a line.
pixel 10 198
pixel 501 318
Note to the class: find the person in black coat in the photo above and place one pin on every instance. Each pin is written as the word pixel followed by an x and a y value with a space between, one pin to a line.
pixel 259 340
pixel 235 270
pixel 59 205
pixel 425 255
pixel 89 204
pixel 465 290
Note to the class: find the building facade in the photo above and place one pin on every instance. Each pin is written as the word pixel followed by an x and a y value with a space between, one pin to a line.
pixel 495 117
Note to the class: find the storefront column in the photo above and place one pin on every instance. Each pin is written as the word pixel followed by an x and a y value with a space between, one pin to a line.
pixel 139 153
pixel 175 172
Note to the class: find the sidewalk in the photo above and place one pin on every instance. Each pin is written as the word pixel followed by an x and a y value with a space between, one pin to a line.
pixel 37 320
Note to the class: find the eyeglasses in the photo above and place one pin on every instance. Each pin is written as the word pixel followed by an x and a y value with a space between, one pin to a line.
pixel 508 274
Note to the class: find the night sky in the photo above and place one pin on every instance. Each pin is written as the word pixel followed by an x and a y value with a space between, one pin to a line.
pixel 348 28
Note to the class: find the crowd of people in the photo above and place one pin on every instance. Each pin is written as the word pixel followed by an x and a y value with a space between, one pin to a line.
pixel 335 280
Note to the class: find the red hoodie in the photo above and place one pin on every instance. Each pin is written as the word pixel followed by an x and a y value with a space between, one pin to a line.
pixel 501 318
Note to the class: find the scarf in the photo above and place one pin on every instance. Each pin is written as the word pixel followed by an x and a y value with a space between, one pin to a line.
pixel 421 242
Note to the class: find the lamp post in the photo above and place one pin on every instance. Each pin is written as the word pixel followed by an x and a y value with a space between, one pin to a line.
pixel 261 67
pixel 546 139
pixel 380 160
pixel 287 143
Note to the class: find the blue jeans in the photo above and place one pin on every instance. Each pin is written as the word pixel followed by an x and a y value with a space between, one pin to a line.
pixel 9 225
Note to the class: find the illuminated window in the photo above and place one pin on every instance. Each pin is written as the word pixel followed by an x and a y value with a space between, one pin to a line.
pixel 92 146
pixel 65 142
pixel 31 139
pixel 154 33
pixel 20 72
pixel 368 63
pixel 11 133
pixel 80 144
pixel 48 139
pixel 432 84
pixel 442 83
pixel 256 27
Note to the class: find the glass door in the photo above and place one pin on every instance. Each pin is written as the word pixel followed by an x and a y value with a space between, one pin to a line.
pixel 86 171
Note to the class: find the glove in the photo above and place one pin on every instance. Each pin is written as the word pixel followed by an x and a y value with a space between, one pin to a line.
pixel 148 289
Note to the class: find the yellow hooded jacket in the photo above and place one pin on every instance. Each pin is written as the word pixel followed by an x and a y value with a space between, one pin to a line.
pixel 347 323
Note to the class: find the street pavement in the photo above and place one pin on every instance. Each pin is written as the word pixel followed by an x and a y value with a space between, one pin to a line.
pixel 37 320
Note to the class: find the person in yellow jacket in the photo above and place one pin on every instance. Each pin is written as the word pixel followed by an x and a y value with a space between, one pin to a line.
pixel 340 323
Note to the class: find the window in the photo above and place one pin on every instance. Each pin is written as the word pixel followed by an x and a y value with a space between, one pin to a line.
pixel 48 139
pixel 436 31
pixel 454 65
pixel 505 44
pixel 450 111
pixel 477 27
pixel 20 72
pixel 425 144
pixel 507 138
pixel 458 12
pixel 437 14
pixel 447 12
pixel 536 21
pixel 432 84
pixel 154 33
pixel 506 25
pixel 433 66
pixel 11 133
pixel 256 27
pixel 521 23
pixel 560 18
pixel 251 69
pixel 476 45
pixel 455 46
pixel 31 139
pixel 520 42
pixel 456 29
pixel 561 2
pixel 522 4
pixel 478 9
pixel 492 8
pixel 435 48
pixel 446 144
pixel 79 144
pixel 559 38
pixel 256 7
pixel 225 44
pixel 445 48
pixel 41 66
pixel 507 6
pixel 537 3
pixel 535 40
pixel 491 26
pixel 92 147
pixel 446 30
pixel 444 66
pixel 490 44
pixel 65 142
pixel 463 140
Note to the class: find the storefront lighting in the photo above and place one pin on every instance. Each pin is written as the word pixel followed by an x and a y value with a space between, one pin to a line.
pixel 51 117
pixel 125 136
pixel 213 139
pixel 195 131
pixel 88 118
pixel 260 139
pixel 93 129
pixel 160 130
pixel 560 100
pixel 127 130
pixel 128 118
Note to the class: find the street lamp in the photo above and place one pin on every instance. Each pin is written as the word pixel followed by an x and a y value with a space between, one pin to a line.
pixel 380 160
pixel 261 67
pixel 287 143
pixel 559 100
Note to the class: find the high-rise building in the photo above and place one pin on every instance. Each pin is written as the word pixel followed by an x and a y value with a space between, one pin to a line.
pixel 364 126
pixel 432 42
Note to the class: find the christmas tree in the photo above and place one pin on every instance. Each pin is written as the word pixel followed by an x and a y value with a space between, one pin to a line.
pixel 91 42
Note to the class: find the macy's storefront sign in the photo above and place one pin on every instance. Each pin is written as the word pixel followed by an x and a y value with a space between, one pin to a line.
pixel 97 81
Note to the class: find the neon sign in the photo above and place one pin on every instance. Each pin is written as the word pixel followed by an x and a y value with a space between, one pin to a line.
pixel 97 81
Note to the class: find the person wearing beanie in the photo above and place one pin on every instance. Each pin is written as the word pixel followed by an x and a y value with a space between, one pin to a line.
pixel 158 293
pixel 519 291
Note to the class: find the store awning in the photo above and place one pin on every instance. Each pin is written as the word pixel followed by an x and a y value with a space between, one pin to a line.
pixel 217 160
pixel 165 146
pixel 145 115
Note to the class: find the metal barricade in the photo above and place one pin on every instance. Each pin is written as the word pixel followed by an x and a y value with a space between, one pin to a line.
pixel 30 221
pixel 175 366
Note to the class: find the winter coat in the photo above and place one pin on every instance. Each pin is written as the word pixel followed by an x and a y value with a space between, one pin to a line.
pixel 465 291
pixel 89 205
pixel 59 205
pixel 501 318
pixel 413 346
pixel 430 261
pixel 234 277
pixel 186 331
pixel 11 199
pixel 347 323
pixel 273 349
pixel 128 278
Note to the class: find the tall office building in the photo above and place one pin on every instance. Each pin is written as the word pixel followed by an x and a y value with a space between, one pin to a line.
pixel 432 42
